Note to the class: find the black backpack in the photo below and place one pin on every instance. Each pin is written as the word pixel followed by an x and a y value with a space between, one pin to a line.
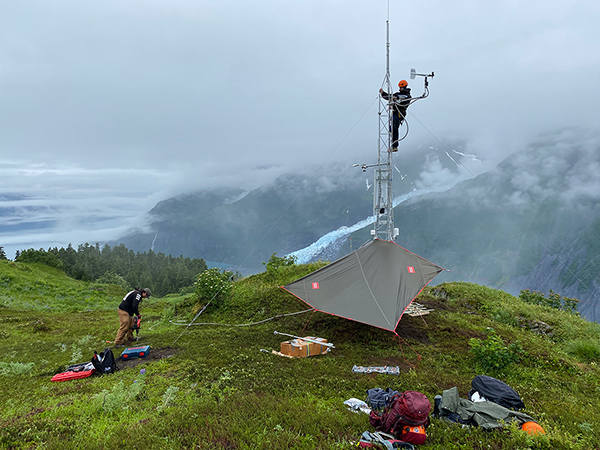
pixel 496 391
pixel 104 362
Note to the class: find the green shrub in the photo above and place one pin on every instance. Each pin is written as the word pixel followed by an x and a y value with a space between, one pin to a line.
pixel 214 285
pixel 187 290
pixel 15 368
pixel 275 262
pixel 492 354
pixel 553 300
pixel 533 297
pixel 168 312
pixel 40 256
pixel 168 397
pixel 120 397
pixel 76 355
pixel 570 304
pixel 113 278
pixel 587 351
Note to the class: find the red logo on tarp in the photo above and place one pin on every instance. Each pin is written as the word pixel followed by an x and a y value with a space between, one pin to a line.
pixel 410 269
pixel 315 285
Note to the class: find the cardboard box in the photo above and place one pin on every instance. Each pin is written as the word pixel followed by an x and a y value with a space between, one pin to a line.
pixel 301 349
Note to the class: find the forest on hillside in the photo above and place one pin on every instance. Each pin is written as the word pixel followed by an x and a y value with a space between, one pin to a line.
pixel 161 273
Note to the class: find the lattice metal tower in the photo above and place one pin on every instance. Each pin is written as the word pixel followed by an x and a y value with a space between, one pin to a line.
pixel 383 209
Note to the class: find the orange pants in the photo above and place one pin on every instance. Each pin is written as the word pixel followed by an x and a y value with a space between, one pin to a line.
pixel 125 333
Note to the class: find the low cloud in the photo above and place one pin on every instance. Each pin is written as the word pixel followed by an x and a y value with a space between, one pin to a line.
pixel 561 166
pixel 43 204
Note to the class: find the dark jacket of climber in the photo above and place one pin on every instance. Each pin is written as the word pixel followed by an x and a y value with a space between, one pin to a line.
pixel 399 102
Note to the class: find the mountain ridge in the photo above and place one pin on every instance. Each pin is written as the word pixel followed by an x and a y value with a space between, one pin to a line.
pixel 530 223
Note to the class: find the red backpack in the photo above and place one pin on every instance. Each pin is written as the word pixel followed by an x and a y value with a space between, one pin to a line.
pixel 411 408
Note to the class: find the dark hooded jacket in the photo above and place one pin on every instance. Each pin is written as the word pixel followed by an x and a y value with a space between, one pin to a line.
pixel 400 101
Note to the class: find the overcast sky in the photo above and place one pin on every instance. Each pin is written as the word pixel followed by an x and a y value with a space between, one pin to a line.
pixel 107 107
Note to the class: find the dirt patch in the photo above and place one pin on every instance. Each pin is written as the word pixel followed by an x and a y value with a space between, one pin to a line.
pixel 154 355
pixel 35 411
pixel 224 443
pixel 412 328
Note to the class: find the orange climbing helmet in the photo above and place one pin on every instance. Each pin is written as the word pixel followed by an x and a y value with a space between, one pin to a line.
pixel 402 84
pixel 533 428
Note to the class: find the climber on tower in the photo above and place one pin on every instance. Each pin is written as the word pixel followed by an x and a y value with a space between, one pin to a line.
pixel 399 102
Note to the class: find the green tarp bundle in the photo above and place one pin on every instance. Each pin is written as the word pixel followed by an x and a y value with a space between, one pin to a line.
pixel 373 285
pixel 486 414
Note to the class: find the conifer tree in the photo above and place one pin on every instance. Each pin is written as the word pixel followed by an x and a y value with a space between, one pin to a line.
pixel 159 272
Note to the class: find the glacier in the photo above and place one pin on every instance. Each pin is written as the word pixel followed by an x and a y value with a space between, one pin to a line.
pixel 306 254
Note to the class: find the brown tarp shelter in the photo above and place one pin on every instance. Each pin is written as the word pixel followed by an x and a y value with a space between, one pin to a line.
pixel 373 285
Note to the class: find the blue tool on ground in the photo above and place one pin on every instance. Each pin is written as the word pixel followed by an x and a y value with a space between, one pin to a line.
pixel 135 352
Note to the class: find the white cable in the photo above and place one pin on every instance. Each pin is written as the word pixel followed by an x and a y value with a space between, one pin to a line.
pixel 244 324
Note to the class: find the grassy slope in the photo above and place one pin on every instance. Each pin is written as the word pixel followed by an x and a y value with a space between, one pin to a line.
pixel 39 287
pixel 219 391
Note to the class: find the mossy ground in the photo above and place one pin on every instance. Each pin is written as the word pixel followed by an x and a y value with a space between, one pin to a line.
pixel 217 390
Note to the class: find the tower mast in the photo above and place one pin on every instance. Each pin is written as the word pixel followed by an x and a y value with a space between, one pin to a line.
pixel 382 194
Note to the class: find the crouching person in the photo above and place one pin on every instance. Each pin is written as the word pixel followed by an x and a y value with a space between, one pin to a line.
pixel 127 309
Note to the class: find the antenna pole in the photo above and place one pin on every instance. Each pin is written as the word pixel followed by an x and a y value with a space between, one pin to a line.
pixel 383 200
pixel 382 194
pixel 387 45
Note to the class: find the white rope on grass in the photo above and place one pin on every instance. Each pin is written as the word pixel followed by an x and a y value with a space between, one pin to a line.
pixel 242 324
pixel 196 316
pixel 241 264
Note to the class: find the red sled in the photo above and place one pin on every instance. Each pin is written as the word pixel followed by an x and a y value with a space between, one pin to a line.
pixel 75 371
pixel 66 376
